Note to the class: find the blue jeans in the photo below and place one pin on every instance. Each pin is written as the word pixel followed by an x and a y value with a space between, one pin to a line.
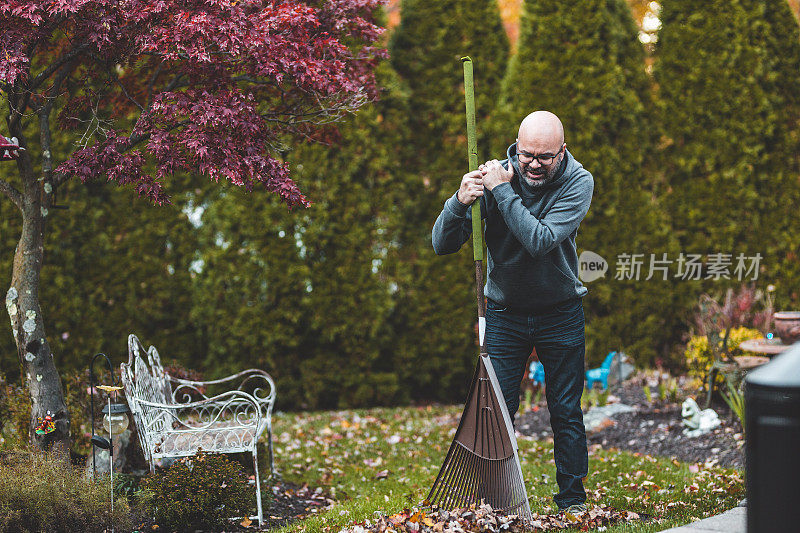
pixel 560 339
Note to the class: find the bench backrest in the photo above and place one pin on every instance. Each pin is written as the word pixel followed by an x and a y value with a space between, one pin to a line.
pixel 145 381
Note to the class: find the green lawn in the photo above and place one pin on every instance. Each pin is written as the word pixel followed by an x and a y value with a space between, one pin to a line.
pixel 385 460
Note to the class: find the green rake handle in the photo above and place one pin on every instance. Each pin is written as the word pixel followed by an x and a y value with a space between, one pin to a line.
pixel 472 154
pixel 477 229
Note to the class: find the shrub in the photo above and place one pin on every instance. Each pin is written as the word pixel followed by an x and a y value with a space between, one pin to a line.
pixel 648 394
pixel 594 398
pixel 200 491
pixel 76 396
pixel 39 492
pixel 668 389
pixel 735 399
pixel 126 484
pixel 15 413
pixel 699 353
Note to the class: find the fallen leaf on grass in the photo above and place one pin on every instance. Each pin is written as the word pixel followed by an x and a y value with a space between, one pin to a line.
pixel 246 522
pixel 484 519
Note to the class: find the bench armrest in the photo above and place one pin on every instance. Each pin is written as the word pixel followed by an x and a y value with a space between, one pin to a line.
pixel 263 391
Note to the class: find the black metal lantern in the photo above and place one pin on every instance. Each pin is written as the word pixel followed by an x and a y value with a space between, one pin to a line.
pixel 772 425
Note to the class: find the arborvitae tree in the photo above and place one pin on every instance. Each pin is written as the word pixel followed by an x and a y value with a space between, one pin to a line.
pixel 434 313
pixel 582 61
pixel 781 82
pixel 305 293
pixel 728 76
pixel 425 51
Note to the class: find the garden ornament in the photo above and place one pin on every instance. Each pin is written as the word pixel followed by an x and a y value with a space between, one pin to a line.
pixel 536 373
pixel 697 421
pixel 482 465
pixel 46 425
pixel 615 369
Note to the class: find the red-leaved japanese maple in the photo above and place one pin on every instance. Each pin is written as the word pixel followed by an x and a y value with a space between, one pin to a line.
pixel 147 88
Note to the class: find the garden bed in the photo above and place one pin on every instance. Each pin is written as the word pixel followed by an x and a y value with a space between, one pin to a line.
pixel 291 502
pixel 653 428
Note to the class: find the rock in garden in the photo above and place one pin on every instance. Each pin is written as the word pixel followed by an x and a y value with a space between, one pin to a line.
pixel 598 418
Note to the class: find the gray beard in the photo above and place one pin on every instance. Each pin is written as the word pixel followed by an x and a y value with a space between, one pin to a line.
pixel 543 180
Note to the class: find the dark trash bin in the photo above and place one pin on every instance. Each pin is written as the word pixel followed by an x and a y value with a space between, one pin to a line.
pixel 772 468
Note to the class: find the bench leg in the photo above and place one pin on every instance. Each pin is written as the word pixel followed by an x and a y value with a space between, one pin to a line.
pixel 258 490
pixel 269 447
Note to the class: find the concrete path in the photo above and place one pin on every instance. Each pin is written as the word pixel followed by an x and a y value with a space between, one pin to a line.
pixel 732 521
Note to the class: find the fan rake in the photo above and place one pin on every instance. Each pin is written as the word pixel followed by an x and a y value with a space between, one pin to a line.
pixel 482 464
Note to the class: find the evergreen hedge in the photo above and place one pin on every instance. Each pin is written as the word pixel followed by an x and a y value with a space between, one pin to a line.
pixel 727 75
pixel 434 312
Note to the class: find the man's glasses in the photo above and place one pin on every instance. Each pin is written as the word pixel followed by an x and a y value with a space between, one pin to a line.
pixel 544 159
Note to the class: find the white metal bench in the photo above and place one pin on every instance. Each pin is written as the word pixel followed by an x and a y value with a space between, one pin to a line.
pixel 175 418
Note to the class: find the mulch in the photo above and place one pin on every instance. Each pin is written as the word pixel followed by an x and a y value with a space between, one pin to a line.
pixel 287 504
pixel 653 429
pixel 291 503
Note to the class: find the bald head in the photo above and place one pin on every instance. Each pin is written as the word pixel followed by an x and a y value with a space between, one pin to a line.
pixel 541 135
pixel 541 132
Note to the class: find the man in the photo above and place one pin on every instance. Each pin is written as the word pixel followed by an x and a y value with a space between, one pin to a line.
pixel 533 203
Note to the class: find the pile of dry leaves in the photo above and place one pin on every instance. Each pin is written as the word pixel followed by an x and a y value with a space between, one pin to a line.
pixel 485 519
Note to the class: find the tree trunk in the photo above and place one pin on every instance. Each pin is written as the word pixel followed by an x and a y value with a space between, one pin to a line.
pixel 22 304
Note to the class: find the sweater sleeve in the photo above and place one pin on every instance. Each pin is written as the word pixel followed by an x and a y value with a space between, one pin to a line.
pixel 452 228
pixel 539 236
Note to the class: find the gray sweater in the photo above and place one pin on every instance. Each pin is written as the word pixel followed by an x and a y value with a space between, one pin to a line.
pixel 532 263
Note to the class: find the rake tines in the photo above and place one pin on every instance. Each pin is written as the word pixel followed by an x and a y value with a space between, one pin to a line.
pixel 482 463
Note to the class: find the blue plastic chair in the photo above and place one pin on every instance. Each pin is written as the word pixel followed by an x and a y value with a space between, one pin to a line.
pixel 600 375
pixel 536 373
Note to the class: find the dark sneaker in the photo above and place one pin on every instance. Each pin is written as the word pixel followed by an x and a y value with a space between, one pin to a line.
pixel 575 509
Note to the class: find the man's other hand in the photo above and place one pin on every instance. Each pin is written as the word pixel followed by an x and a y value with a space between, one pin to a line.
pixel 471 187
pixel 494 174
